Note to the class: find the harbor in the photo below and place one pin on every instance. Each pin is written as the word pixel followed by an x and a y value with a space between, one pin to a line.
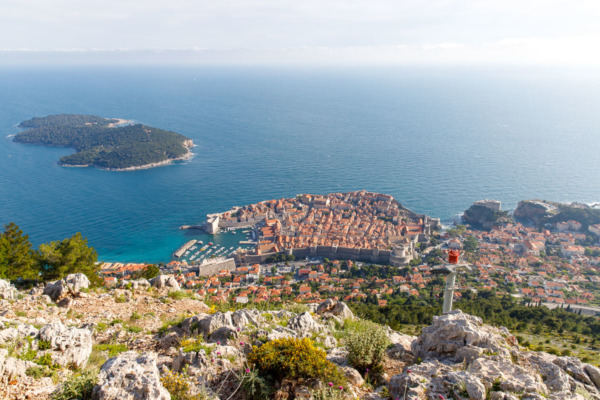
pixel 209 247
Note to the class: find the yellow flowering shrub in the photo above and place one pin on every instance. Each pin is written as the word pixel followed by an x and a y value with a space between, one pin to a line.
pixel 296 359
pixel 179 388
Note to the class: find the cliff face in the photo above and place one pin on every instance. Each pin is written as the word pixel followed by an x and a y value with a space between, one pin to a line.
pixel 457 357
pixel 534 210
pixel 482 216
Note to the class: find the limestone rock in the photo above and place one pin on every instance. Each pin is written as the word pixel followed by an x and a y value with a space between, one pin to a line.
pixel 575 368
pixel 400 339
pixel 353 376
pixel 69 346
pixel 165 282
pixel 71 285
pixel 554 377
pixel 8 335
pixel 513 378
pixel 593 373
pixel 337 308
pixel 7 291
pixel 130 376
pixel 242 318
pixel 216 321
pixel 303 323
pixel 450 332
pixel 67 302
pixel 223 335
pixel 12 368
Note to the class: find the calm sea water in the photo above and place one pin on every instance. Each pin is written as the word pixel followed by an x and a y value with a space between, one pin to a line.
pixel 435 139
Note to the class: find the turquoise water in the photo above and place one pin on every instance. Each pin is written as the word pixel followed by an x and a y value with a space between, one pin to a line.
pixel 435 139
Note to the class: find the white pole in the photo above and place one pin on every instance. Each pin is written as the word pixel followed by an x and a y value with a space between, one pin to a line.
pixel 449 292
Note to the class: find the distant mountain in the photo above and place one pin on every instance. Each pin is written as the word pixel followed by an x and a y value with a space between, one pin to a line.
pixel 105 143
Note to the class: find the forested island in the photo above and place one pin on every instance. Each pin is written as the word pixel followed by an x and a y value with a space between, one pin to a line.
pixel 105 143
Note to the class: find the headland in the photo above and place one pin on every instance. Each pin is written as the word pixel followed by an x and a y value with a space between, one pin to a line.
pixel 358 225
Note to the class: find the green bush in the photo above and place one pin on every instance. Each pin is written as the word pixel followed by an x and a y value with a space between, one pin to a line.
pixel 77 386
pixel 180 294
pixel 256 387
pixel 113 349
pixel 366 343
pixel 44 345
pixel 291 358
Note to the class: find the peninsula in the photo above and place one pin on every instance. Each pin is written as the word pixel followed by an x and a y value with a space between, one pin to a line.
pixel 111 144
pixel 358 225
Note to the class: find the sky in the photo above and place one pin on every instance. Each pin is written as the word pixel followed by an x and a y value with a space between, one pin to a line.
pixel 546 32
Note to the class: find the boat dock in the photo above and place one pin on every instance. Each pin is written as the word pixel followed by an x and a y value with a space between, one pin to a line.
pixel 180 251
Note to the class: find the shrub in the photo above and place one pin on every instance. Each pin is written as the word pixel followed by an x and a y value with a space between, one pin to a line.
pixel 133 329
pixel 255 387
pixel 297 308
pixel 120 299
pixel 195 345
pixel 366 344
pixel 113 349
pixel 135 316
pixel 38 372
pixel 179 388
pixel 46 359
pixel 180 294
pixel 168 324
pixel 44 345
pixel 77 386
pixel 291 358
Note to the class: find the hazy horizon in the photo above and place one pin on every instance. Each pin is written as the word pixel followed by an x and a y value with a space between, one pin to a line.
pixel 381 32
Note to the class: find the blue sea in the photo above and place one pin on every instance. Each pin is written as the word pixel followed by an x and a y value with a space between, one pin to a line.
pixel 436 139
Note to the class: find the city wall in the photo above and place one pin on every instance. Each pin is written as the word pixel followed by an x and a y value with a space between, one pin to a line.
pixel 214 268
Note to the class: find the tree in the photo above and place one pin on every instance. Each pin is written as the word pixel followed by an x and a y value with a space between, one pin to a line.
pixel 470 244
pixel 150 271
pixel 17 257
pixel 69 256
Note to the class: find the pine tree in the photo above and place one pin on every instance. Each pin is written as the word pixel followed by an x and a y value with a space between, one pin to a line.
pixel 69 256
pixel 17 257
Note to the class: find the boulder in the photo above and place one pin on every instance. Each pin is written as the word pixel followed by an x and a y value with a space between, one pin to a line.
pixel 69 346
pixel 165 282
pixel 512 378
pixel 303 324
pixel 215 321
pixel 223 335
pixel 342 310
pixel 593 373
pixel 353 376
pixel 337 308
pixel 241 318
pixel 12 368
pixel 7 291
pixel 136 284
pixel 554 377
pixel 66 302
pixel 130 376
pixel 326 306
pixel 455 330
pixel 72 285
pixel 8 335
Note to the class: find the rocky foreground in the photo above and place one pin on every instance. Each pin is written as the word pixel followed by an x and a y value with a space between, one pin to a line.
pixel 146 331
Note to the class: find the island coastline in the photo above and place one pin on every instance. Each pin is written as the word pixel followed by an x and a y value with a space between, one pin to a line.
pixel 115 144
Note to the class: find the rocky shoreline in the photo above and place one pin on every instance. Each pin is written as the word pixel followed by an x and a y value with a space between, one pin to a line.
pixel 186 156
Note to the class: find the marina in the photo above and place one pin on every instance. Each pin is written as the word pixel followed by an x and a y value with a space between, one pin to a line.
pixel 222 245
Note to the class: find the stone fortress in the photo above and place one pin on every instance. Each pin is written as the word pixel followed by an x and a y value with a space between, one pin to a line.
pixel 360 226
